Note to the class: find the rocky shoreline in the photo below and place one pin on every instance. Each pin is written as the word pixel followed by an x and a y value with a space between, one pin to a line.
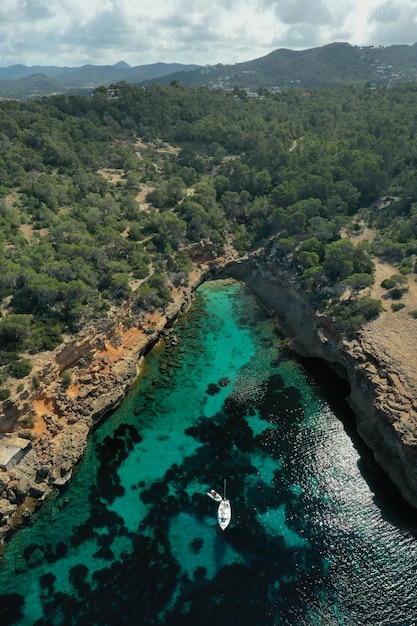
pixel 383 389
pixel 105 362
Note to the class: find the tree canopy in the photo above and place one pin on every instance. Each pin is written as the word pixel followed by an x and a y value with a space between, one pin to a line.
pixel 102 199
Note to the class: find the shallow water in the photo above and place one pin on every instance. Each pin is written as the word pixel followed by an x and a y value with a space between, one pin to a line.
pixel 318 536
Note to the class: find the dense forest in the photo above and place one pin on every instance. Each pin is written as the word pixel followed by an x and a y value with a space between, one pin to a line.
pixel 285 175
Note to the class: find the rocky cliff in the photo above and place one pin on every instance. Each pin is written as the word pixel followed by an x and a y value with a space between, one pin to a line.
pixel 382 388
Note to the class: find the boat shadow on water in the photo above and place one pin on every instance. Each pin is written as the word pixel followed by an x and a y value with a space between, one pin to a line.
pixel 220 548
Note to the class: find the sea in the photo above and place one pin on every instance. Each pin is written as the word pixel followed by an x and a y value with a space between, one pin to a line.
pixel 318 536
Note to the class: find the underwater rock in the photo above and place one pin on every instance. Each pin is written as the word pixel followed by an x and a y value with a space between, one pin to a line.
pixel 20 565
pixel 11 605
pixel 47 580
pixel 212 389
pixel 34 556
pixel 196 545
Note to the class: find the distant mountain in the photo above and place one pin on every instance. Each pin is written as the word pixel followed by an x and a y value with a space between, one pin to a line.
pixel 32 86
pixel 327 66
pixel 20 81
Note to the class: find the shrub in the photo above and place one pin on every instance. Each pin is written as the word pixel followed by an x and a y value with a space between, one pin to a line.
pixel 20 368
pixel 388 283
pixel 413 313
pixel 397 306
pixel 351 315
pixel 397 293
pixel 89 357
pixel 29 419
pixel 4 394
pixel 66 379
pixel 393 281
pixel 369 307
pixel 406 266
pixel 359 281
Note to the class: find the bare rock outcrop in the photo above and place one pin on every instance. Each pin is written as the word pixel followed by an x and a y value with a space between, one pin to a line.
pixel 67 450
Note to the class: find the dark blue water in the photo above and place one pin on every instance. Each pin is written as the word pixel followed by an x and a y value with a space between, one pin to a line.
pixel 318 535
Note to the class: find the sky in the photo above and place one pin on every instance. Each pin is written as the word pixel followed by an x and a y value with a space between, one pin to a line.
pixel 139 32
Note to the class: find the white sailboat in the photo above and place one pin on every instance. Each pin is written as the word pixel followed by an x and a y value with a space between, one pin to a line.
pixel 224 512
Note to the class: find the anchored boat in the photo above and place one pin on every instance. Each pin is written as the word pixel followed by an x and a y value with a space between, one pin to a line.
pixel 214 495
pixel 224 512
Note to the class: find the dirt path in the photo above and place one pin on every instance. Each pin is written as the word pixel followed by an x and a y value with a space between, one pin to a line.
pixel 394 333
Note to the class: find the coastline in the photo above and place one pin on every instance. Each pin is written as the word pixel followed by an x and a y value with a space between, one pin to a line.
pixel 382 382
pixel 54 422
pixel 105 361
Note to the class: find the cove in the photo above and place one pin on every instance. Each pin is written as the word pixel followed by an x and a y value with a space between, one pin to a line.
pixel 317 535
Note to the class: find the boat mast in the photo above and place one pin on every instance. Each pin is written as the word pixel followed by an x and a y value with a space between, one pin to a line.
pixel 224 490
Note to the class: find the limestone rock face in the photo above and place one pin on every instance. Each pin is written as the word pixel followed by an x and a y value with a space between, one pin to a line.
pixel 103 401
pixel 68 449
pixel 6 509
pixel 4 481
pixel 383 400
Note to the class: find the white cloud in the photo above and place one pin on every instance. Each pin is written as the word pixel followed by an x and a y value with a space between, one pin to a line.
pixel 73 32
pixel 395 21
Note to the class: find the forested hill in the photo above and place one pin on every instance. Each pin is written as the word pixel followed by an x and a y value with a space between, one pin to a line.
pixel 105 200
pixel 336 64
pixel 22 82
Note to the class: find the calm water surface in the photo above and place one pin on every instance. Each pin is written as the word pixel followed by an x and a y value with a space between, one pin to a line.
pixel 318 536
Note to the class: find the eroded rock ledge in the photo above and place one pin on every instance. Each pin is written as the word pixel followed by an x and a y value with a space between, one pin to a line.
pixel 382 390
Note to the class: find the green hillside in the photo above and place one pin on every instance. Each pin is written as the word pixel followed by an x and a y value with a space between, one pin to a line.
pixel 104 200
pixel 336 64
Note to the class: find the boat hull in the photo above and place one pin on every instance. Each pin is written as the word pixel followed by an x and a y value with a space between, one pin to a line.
pixel 224 514
pixel 214 495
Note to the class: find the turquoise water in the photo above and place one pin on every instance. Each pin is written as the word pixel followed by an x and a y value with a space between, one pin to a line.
pixel 318 536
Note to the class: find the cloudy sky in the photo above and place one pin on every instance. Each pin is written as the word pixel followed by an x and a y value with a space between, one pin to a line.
pixel 75 32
